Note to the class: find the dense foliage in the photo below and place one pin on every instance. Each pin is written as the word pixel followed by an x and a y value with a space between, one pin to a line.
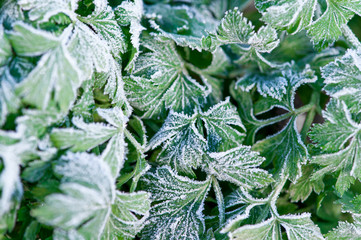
pixel 179 119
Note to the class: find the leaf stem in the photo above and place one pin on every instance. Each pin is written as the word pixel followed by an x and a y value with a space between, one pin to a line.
pixel 315 99
pixel 351 37
pixel 134 141
pixel 219 196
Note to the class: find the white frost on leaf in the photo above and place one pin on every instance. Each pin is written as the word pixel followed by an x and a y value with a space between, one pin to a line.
pixel 90 135
pixel 43 10
pixel 177 212
pixel 239 166
pixel 89 202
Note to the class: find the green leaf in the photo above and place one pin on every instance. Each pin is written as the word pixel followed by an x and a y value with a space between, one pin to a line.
pixel 89 50
pixel 56 70
pixel 5 47
pixel 103 22
pixel 13 152
pixel 342 78
pixel 293 15
pixel 223 126
pixel 90 135
pixel 28 41
pixel 89 202
pixel 346 230
pixel 300 227
pixel 177 210
pixel 9 102
pixel 42 10
pixel 279 84
pixel 183 141
pixel 183 24
pixel 267 230
pixel 303 187
pixel 297 227
pixel 130 13
pixel 337 14
pixel 239 166
pixel 285 149
pixel 234 28
pixel 347 136
pixel 160 82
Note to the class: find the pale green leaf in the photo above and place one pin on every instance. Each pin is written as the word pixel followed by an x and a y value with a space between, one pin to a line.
pixel 290 15
pixel 267 230
pixel 160 82
pixel 177 211
pixel 28 41
pixel 285 149
pixel 184 142
pixel 43 10
pixel 102 20
pixel 90 135
pixel 343 81
pixel 239 166
pixel 184 24
pixel 234 28
pixel 89 202
pixel 5 48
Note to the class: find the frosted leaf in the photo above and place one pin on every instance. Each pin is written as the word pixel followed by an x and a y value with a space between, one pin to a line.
pixel 346 230
pixel 343 81
pixel 56 72
pixel 89 51
pixel 42 10
pixel 5 48
pixel 234 28
pixel 123 222
pixel 13 151
pixel 90 135
pixel 223 126
pixel 267 230
pixel 130 13
pixel 115 87
pixel 102 21
pixel 183 140
pixel 89 202
pixel 10 11
pixel 303 187
pixel 160 82
pixel 184 24
pixel 35 123
pixel 285 149
pixel 182 143
pixel 28 41
pixel 337 14
pixel 9 102
pixel 237 30
pixel 293 15
pixel 347 138
pixel 300 227
pixel 239 166
pixel 279 84
pixel 177 211
pixel 265 40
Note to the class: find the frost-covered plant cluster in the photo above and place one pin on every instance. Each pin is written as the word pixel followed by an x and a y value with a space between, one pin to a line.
pixel 180 120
